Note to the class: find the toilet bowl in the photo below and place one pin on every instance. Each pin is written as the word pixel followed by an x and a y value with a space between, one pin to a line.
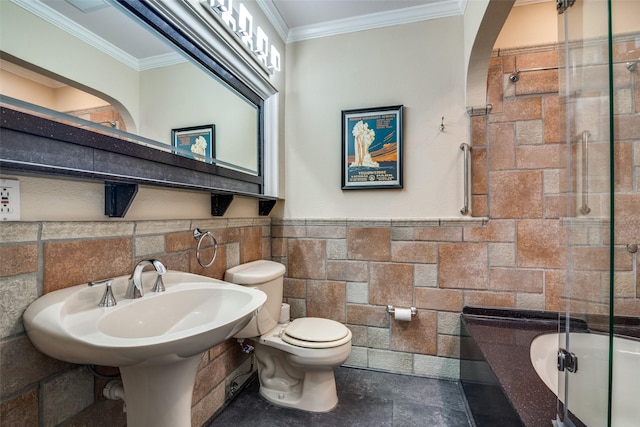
pixel 295 360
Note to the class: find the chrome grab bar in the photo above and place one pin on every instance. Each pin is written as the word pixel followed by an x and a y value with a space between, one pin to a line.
pixel 585 209
pixel 466 149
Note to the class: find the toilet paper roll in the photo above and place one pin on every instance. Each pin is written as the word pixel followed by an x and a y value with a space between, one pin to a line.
pixel 403 314
pixel 285 313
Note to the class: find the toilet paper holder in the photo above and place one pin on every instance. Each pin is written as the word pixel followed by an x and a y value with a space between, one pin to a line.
pixel 391 310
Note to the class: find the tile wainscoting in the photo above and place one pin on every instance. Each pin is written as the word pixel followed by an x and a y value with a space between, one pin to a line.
pixel 40 257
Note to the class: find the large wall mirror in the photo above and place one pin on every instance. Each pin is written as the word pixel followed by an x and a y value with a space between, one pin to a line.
pixel 122 69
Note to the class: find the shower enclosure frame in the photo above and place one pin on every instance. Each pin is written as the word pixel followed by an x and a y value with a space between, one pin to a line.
pixel 588 88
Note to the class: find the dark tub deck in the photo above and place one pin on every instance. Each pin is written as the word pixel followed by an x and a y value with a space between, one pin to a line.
pixel 500 340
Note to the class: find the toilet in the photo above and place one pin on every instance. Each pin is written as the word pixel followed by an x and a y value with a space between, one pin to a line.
pixel 295 360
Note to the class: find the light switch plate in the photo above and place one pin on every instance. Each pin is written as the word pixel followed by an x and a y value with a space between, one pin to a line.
pixel 9 200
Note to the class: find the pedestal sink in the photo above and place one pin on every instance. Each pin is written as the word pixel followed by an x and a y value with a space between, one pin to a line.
pixel 157 340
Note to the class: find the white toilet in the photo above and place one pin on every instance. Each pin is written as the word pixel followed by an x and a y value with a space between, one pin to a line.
pixel 296 359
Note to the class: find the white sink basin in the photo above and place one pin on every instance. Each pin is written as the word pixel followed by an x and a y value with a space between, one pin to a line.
pixel 156 340
pixel 194 314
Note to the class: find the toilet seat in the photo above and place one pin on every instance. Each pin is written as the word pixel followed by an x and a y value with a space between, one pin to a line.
pixel 315 332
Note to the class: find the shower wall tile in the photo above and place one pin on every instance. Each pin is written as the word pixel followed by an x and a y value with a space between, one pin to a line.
pixel 537 60
pixel 21 410
pixel 419 336
pixel 21 365
pixel 552 119
pixel 463 265
pixel 480 206
pixel 548 156
pixel 517 280
pixel 414 252
pixel 515 194
pixel 307 259
pixel 439 299
pixel 327 299
pixel 250 244
pixel 390 360
pixel 351 271
pixel 16 293
pixel 627 126
pixel 494 92
pixel 538 244
pixel 479 131
pixel 627 228
pixel 391 283
pixel 372 244
pixel 438 234
pixel 278 247
pixel 367 315
pixel 337 248
pixel 203 410
pixel 18 232
pixel 295 288
pixel 479 168
pixel 501 152
pixel 149 245
pixel 425 275
pixel 56 407
pixel 18 259
pixel 84 230
pixel 495 231
pixel 502 254
pixel 489 299
pixel 327 232
pixel 623 160
pixel 81 261
pixel 359 334
pixel 449 346
pixel 537 82
pixel 526 108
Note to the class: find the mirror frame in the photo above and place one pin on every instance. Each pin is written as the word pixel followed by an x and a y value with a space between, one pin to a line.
pixel 32 144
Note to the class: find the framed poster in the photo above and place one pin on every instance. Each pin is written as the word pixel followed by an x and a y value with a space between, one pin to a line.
pixel 196 142
pixel 372 148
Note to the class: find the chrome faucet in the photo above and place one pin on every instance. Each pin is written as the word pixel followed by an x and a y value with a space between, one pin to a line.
pixel 134 290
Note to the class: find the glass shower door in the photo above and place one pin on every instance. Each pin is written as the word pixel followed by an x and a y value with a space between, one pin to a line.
pixel 586 104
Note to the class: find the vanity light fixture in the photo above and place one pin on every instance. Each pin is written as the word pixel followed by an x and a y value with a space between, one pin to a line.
pixel 240 24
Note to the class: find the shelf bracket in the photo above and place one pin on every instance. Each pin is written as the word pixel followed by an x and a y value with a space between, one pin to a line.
pixel 265 206
pixel 118 197
pixel 220 203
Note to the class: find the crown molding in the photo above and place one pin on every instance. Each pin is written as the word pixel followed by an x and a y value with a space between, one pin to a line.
pixel 71 27
pixel 441 9
pixel 273 15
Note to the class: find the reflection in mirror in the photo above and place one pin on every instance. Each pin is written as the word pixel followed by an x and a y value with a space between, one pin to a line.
pixel 117 73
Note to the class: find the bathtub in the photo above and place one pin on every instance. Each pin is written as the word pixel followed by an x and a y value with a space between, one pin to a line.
pixel 589 385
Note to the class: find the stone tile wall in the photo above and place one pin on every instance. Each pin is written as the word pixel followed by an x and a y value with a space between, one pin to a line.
pixel 41 257
pixel 514 253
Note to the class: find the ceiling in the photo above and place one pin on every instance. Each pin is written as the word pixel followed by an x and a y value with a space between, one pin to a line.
pixel 302 13
pixel 296 20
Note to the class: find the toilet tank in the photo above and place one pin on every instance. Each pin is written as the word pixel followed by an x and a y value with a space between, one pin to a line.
pixel 268 276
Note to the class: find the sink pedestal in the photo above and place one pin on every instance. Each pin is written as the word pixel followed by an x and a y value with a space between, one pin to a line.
pixel 159 393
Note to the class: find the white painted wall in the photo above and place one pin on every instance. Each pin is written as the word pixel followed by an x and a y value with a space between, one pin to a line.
pixel 420 66
pixel 25 36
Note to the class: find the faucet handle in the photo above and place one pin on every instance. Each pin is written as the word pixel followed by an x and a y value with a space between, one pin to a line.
pixel 159 286
pixel 108 300
pixel 160 269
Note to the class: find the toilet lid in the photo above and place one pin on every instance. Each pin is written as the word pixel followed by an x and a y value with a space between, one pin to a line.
pixel 314 332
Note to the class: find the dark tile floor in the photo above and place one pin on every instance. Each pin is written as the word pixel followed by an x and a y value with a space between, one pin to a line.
pixel 366 398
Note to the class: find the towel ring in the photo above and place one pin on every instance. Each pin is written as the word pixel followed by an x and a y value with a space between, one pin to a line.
pixel 200 236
